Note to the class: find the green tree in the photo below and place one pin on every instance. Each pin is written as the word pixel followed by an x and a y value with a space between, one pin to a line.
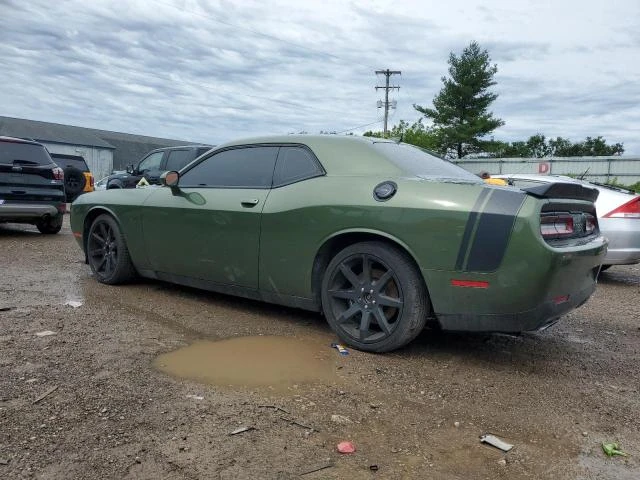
pixel 415 134
pixel 537 146
pixel 460 112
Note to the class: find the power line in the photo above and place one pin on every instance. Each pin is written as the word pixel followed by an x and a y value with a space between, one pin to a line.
pixel 387 73
pixel 360 126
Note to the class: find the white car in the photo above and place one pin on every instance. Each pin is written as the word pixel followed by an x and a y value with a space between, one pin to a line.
pixel 101 184
pixel 618 215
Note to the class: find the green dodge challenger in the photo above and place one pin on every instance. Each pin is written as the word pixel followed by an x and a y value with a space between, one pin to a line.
pixel 382 237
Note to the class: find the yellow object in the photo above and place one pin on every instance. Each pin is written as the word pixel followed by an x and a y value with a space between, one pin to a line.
pixel 495 181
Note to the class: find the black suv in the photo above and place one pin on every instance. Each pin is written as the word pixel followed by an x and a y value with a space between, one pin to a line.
pixel 155 163
pixel 31 185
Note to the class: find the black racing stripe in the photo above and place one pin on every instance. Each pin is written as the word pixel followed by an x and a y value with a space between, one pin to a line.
pixel 468 229
pixel 494 228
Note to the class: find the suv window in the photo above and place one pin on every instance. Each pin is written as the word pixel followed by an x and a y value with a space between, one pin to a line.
pixel 65 161
pixel 415 161
pixel 294 164
pixel 178 159
pixel 202 151
pixel 23 153
pixel 152 162
pixel 250 167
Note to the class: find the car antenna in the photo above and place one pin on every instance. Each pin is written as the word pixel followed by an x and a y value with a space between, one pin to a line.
pixel 581 177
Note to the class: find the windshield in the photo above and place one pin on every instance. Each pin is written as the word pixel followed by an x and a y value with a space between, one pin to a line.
pixel 23 154
pixel 415 161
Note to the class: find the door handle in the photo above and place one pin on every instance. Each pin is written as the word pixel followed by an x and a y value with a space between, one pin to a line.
pixel 250 203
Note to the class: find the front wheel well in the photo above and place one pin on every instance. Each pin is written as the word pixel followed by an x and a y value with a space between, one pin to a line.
pixel 332 246
pixel 88 220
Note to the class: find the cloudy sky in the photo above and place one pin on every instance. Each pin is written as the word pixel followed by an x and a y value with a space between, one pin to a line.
pixel 205 70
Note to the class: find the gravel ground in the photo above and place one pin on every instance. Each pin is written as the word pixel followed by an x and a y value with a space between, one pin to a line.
pixel 116 409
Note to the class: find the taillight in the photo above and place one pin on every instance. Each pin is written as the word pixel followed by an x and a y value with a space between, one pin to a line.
pixel 556 226
pixel 631 209
pixel 58 173
pixel 590 223
pixel 91 181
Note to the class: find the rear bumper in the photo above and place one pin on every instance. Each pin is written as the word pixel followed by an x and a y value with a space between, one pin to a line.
pixel 624 240
pixel 29 211
pixel 529 292
pixel 537 318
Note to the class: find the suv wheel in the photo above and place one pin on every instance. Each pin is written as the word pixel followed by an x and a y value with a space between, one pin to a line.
pixel 50 225
pixel 74 182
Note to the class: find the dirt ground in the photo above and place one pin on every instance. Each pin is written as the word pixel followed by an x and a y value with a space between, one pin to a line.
pixel 122 403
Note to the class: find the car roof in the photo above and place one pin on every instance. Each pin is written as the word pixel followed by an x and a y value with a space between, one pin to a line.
pixel 339 154
pixel 179 147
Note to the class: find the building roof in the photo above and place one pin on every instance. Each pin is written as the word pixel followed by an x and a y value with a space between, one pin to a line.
pixel 51 132
pixel 128 148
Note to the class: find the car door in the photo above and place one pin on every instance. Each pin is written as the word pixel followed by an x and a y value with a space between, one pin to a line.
pixel 149 167
pixel 209 228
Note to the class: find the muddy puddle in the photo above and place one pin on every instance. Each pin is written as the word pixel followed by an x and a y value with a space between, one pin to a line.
pixel 272 362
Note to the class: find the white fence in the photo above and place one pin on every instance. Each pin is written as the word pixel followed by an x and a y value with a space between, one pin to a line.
pixel 625 170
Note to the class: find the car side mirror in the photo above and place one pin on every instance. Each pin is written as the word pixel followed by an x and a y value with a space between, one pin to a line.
pixel 170 179
pixel 130 169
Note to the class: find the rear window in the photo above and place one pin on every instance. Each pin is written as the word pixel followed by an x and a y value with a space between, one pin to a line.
pixel 415 161
pixel 66 161
pixel 23 154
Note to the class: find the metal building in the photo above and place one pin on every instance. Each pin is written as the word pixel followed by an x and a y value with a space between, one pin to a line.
pixel 103 150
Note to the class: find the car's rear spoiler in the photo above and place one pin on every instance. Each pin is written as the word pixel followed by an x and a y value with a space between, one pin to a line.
pixel 572 191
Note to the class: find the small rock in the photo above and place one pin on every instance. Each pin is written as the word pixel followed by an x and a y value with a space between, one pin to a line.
pixel 138 460
pixel 341 419
pixel 4 461
pixel 104 410
pixel 456 424
pixel 502 462
pixel 585 434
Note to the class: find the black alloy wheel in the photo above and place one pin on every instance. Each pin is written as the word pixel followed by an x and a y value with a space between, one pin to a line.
pixel 373 297
pixel 107 252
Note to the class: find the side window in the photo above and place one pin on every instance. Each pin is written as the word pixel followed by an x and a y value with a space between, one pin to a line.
pixel 202 151
pixel 152 162
pixel 177 159
pixel 250 167
pixel 294 164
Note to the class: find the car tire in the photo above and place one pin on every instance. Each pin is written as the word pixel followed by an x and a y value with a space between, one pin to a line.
pixel 374 297
pixel 50 225
pixel 74 182
pixel 107 252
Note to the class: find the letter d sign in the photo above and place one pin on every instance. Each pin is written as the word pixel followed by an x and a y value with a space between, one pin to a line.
pixel 543 168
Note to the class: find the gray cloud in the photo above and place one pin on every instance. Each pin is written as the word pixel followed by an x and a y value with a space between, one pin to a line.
pixel 213 71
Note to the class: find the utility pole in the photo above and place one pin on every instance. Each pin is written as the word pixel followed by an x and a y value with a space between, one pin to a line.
pixel 387 73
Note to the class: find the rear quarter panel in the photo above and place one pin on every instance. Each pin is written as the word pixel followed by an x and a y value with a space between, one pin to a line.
pixel 427 218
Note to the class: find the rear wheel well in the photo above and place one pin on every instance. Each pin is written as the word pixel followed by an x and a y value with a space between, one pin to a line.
pixel 334 245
